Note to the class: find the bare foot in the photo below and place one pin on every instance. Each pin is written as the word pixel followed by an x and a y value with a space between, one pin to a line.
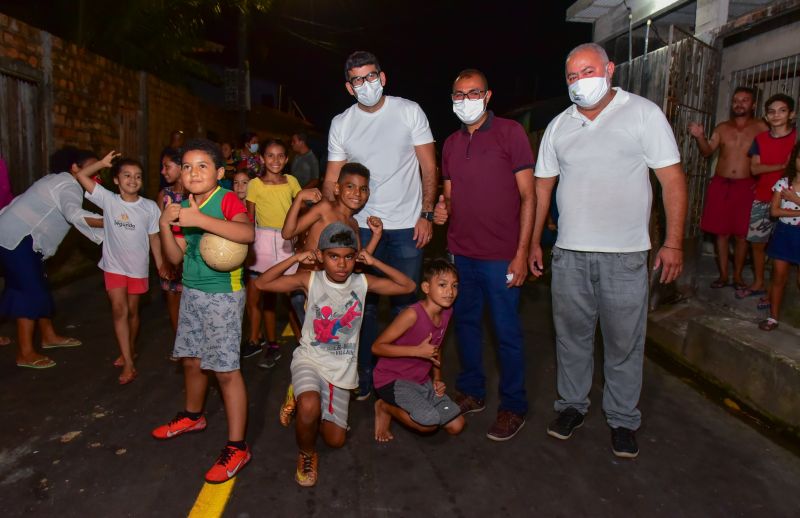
pixel 4 340
pixel 382 422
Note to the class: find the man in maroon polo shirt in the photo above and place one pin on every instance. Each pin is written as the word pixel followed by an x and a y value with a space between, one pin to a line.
pixel 487 168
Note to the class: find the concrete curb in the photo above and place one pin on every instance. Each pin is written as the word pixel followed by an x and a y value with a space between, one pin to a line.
pixel 758 368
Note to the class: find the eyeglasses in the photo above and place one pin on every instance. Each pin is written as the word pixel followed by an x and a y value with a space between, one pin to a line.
pixel 472 95
pixel 357 81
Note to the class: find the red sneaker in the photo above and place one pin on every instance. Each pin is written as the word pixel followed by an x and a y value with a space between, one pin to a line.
pixel 229 463
pixel 179 424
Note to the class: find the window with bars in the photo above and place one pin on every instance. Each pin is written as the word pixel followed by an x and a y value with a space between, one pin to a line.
pixel 778 76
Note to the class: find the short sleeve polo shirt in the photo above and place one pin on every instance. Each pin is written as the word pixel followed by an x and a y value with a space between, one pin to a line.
pixel 484 197
pixel 604 193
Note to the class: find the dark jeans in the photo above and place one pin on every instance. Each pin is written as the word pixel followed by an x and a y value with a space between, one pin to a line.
pixel 397 249
pixel 484 282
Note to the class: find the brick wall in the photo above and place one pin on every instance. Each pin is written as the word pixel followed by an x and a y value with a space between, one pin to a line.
pixel 82 99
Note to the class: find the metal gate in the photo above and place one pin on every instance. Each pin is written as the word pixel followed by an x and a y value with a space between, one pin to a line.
pixel 691 95
pixel 767 79
pixel 21 142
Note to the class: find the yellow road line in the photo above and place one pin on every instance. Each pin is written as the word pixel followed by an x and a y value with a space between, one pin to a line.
pixel 211 501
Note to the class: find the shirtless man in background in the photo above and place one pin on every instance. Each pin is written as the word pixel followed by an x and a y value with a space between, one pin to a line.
pixel 730 194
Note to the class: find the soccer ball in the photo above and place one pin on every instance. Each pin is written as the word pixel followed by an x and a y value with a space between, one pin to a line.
pixel 221 254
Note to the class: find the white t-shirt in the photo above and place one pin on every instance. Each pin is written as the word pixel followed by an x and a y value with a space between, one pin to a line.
pixel 329 339
pixel 604 193
pixel 384 142
pixel 127 226
pixel 783 185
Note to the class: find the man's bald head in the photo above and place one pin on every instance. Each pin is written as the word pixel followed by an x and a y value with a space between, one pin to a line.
pixel 589 47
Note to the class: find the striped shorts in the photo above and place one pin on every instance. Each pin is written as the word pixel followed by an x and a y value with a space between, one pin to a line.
pixel 334 401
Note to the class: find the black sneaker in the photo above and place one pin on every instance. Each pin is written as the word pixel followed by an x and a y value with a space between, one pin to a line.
pixel 250 349
pixel 272 354
pixel 623 443
pixel 565 424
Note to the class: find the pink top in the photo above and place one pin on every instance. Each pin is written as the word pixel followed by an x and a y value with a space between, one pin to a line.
pixel 417 370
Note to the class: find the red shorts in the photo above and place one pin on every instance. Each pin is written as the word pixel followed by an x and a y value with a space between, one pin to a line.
pixel 727 206
pixel 134 285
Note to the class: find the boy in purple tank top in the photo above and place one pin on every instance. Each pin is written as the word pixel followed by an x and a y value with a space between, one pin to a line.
pixel 407 377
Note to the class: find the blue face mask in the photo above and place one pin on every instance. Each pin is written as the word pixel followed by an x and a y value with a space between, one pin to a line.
pixel 253 148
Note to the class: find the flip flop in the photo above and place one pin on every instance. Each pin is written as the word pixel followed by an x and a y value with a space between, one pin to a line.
pixel 119 362
pixel 68 342
pixel 739 286
pixel 768 324
pixel 747 292
pixel 718 284
pixel 41 363
pixel 124 380
pixel 763 303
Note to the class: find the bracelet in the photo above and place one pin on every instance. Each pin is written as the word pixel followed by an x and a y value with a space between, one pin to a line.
pixel 672 247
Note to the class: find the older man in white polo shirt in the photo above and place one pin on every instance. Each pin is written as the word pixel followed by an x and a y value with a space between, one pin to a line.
pixel 601 149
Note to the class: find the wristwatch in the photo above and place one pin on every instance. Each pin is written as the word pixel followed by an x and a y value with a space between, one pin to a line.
pixel 426 215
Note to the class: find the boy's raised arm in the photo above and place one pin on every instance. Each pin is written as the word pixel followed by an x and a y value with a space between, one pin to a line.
pixel 275 281
pixel 395 282
pixel 294 225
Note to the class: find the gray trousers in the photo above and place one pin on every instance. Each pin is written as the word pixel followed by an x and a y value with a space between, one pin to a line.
pixel 611 287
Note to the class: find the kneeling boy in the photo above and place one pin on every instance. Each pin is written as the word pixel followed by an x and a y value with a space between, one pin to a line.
pixel 324 365
pixel 408 377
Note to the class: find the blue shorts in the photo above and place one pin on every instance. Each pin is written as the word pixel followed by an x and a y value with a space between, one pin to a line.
pixel 785 243
pixel 210 328
pixel 27 293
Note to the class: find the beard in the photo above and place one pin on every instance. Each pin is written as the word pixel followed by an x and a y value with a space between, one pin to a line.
pixel 740 112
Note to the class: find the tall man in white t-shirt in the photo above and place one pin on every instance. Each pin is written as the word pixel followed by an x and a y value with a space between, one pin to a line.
pixel 601 150
pixel 392 138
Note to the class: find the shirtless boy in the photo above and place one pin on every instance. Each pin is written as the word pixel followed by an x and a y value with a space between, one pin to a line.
pixel 730 194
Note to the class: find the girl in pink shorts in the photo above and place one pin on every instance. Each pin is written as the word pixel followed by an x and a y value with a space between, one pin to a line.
pixel 268 201
pixel 130 227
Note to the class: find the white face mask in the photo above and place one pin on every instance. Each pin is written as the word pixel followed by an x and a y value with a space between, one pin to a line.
pixel 587 92
pixel 469 111
pixel 253 148
pixel 368 93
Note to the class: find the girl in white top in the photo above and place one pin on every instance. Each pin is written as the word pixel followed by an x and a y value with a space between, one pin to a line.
pixel 784 245
pixel 131 232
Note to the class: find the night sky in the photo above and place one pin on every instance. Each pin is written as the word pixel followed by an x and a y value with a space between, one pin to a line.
pixel 422 45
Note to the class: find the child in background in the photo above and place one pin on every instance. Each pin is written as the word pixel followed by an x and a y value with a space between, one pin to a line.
pixel 407 377
pixel 239 183
pixel 169 275
pixel 210 326
pixel 268 202
pixel 324 365
pixel 240 180
pixel 768 158
pixel 130 225
pixel 784 247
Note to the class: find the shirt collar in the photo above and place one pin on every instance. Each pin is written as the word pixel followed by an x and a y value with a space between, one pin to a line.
pixel 486 126
pixel 617 101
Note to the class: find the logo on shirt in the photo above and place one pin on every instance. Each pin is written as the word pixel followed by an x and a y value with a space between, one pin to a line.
pixel 123 221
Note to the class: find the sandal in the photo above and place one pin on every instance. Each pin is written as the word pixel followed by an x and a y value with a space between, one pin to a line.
pixel 120 361
pixel 747 292
pixel 740 286
pixel 124 380
pixel 67 342
pixel 768 324
pixel 41 363
pixel 763 303
pixel 719 283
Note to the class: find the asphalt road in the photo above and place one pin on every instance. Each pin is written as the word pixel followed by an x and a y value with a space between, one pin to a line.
pixel 75 443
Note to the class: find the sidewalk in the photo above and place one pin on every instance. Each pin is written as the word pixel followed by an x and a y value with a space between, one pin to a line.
pixel 717 336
